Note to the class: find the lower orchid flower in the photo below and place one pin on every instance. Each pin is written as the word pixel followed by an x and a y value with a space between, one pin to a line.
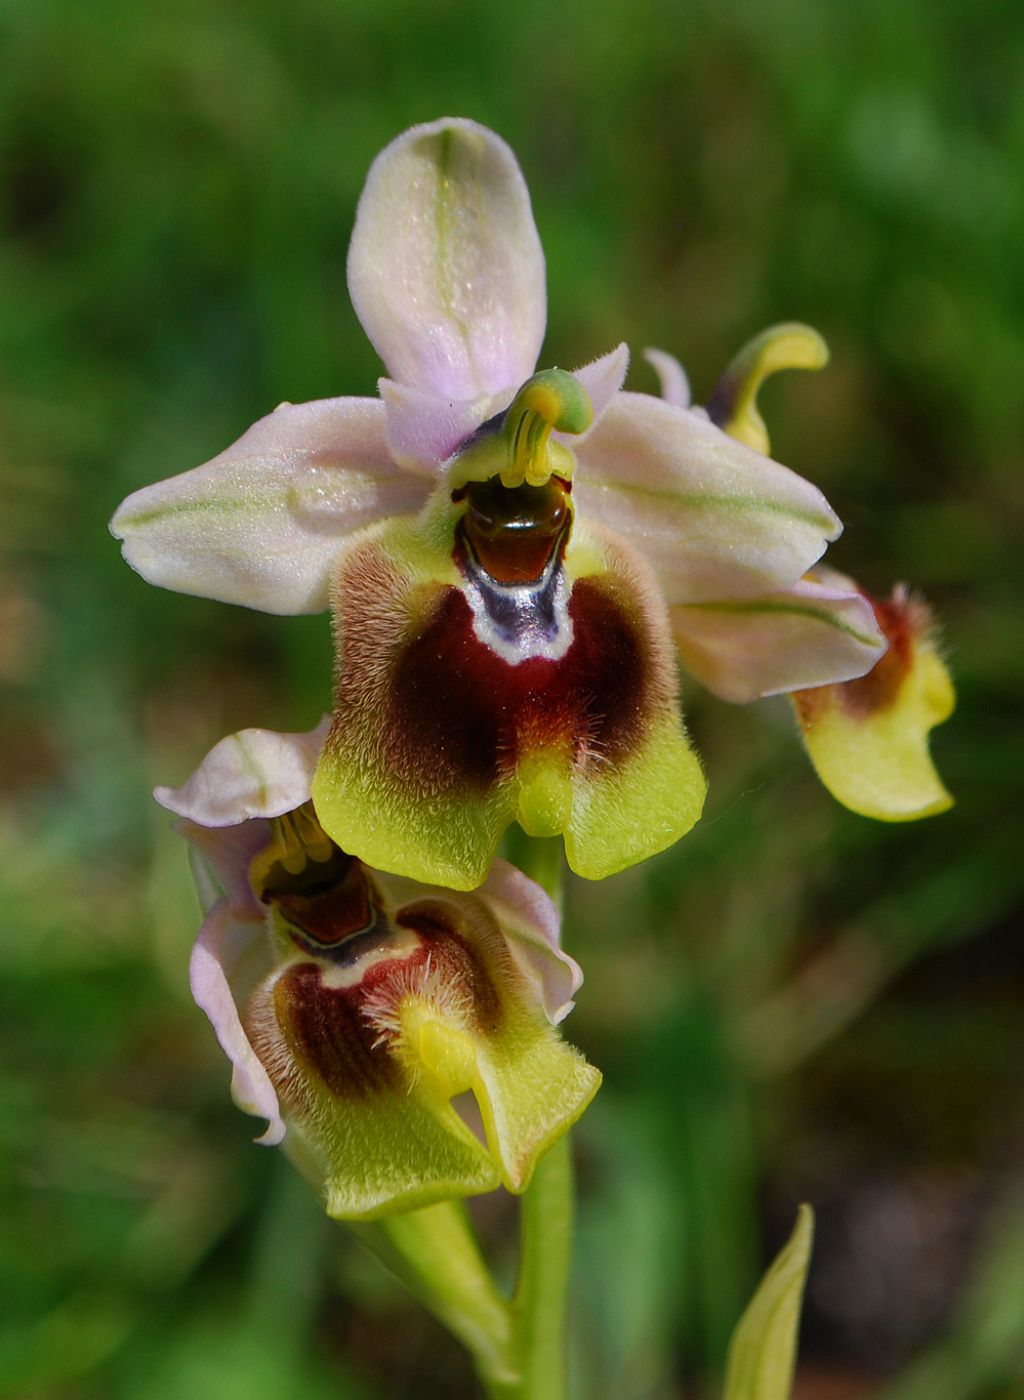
pixel 866 735
pixel 356 1006
pixel 507 555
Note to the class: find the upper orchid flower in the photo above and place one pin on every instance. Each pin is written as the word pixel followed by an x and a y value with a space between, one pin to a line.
pixel 501 550
pixel 867 736
pixel 354 1005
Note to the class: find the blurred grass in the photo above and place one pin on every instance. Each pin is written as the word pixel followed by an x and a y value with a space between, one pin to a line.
pixel 795 1003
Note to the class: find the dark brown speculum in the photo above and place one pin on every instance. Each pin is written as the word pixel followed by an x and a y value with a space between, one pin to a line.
pixel 328 901
pixel 513 531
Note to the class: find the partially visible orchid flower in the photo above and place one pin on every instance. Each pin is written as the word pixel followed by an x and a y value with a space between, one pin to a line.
pixel 354 1005
pixel 502 551
pixel 867 736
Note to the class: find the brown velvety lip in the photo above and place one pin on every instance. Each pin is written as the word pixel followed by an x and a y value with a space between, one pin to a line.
pixel 459 715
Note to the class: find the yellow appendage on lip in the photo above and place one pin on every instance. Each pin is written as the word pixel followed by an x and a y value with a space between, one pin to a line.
pixel 444 1054
pixel 545 795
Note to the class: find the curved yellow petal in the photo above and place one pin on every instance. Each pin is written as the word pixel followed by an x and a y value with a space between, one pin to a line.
pixel 733 402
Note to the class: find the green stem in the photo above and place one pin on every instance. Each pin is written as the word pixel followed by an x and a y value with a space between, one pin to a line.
pixel 546 1216
pixel 541 858
pixel 539 1306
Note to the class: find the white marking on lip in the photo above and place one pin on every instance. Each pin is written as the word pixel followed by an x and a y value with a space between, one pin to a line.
pixel 528 633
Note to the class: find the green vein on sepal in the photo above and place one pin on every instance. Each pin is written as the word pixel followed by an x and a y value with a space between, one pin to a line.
pixel 797 609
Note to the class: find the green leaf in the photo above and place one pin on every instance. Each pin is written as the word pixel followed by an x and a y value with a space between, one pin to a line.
pixel 763 1347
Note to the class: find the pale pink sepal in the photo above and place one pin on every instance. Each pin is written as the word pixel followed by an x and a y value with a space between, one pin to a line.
pixel 713 518
pixel 809 635
pixel 261 524
pixel 423 429
pixel 672 378
pixel 529 921
pixel 227 960
pixel 445 268
pixel 255 773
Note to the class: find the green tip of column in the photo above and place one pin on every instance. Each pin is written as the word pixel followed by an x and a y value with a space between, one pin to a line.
pixel 558 397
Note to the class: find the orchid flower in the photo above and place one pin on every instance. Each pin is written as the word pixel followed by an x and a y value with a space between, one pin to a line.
pixel 506 554
pixel 867 736
pixel 354 1005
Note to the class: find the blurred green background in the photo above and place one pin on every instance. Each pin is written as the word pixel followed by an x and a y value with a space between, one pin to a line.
pixel 794 1004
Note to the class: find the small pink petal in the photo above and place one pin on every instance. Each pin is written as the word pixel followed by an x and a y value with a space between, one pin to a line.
pixel 424 430
pixel 226 963
pixel 675 386
pixel 261 524
pixel 602 379
pixel 809 635
pixel 445 268
pixel 226 853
